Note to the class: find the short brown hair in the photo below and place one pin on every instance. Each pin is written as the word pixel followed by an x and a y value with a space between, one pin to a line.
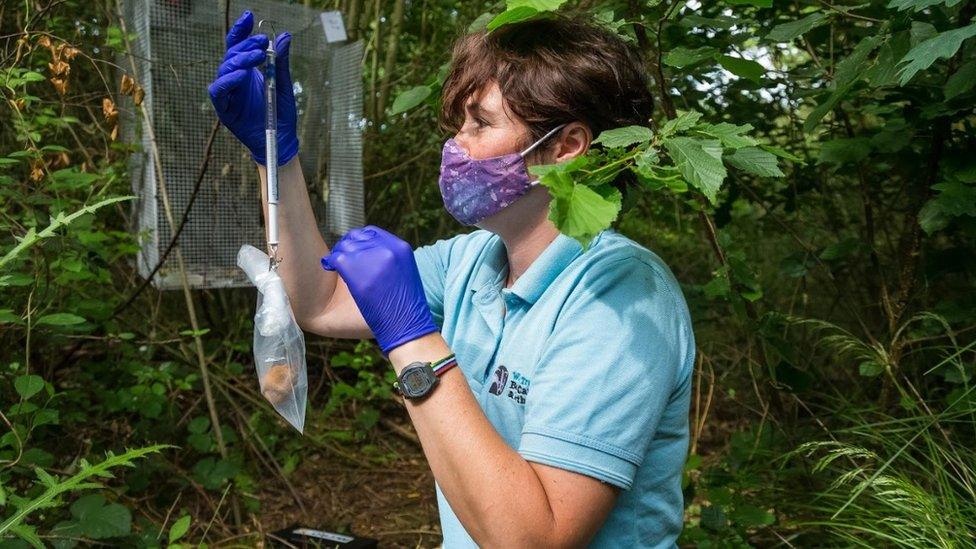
pixel 551 71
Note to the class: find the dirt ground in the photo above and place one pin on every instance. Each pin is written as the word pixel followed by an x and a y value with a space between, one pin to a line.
pixel 393 503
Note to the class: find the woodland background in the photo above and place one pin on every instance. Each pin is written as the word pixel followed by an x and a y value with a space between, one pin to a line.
pixel 809 176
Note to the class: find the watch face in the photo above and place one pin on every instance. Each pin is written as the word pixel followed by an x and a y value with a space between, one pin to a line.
pixel 415 382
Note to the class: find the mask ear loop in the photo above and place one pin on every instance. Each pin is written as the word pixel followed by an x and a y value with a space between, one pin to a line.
pixel 537 143
pixel 541 140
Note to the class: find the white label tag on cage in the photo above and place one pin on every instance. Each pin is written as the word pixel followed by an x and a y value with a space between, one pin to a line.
pixel 335 30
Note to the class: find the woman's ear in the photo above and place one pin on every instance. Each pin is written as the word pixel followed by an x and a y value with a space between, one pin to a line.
pixel 573 140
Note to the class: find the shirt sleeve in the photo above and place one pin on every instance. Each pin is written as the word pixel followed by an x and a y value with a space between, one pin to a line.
pixel 608 372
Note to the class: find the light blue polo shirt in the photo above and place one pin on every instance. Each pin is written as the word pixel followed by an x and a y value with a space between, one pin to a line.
pixel 583 364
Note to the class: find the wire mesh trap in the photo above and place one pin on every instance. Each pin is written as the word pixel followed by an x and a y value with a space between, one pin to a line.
pixel 176 47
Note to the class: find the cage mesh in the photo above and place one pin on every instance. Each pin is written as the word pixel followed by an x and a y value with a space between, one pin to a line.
pixel 176 48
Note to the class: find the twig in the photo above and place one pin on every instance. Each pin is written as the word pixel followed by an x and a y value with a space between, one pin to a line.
pixel 216 512
pixel 197 184
pixel 162 526
pixel 20 443
pixel 840 10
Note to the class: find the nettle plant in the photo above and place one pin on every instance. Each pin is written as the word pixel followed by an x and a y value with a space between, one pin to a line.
pixel 686 156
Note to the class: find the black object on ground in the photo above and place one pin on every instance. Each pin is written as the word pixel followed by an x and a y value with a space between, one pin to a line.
pixel 299 536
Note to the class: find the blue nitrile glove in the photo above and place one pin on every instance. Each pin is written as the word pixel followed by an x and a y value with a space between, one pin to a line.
pixel 382 276
pixel 238 92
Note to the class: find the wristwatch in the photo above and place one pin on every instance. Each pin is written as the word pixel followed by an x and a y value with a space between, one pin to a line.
pixel 418 379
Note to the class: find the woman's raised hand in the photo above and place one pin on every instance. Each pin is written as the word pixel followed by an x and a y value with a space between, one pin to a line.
pixel 238 91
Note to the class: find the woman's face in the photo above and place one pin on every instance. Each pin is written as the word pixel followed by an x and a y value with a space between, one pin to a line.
pixel 490 128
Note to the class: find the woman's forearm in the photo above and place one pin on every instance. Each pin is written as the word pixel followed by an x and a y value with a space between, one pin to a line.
pixel 480 475
pixel 309 287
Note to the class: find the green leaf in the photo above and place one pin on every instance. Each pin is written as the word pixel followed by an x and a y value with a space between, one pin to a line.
pixel 60 319
pixel 410 99
pixel 884 72
pixel 844 151
pixel 782 153
pixel 955 199
pixel 849 72
pixel 212 473
pixel 179 528
pixel 919 5
pixel 28 385
pixel 821 110
pixel 787 32
pixel 71 178
pixel 684 121
pixel 961 81
pixel 199 425
pixel 681 57
pixel 28 534
pixel 743 68
pixel 31 76
pixel 852 67
pixel 729 134
pixel 722 22
pixel 99 519
pixel 46 479
pixel 757 3
pixel 515 15
pixel 538 5
pixel 480 22
pixel 840 250
pixel 713 518
pixel 7 316
pixel 577 210
pixel 941 46
pixel 870 368
pixel 719 286
pixel 700 161
pixel 750 516
pixel 755 161
pixel 624 137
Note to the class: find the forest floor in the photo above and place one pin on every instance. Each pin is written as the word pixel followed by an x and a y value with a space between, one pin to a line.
pixel 393 502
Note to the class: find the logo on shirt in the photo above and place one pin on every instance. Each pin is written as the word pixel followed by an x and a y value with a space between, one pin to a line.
pixel 499 380
pixel 515 387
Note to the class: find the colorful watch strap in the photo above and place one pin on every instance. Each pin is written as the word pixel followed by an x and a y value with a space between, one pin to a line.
pixel 439 367
pixel 444 364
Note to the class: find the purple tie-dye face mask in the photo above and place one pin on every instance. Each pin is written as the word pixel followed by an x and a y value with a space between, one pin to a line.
pixel 474 189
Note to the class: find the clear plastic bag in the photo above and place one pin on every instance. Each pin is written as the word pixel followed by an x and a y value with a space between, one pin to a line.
pixel 279 346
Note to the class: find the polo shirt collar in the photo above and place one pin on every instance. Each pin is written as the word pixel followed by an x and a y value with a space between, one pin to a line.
pixel 544 270
pixel 494 268
pixel 540 275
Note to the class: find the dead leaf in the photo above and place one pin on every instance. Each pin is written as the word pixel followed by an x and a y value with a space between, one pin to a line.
pixel 109 110
pixel 37 173
pixel 127 85
pixel 139 95
pixel 70 52
pixel 61 160
pixel 59 68
pixel 44 41
pixel 60 84
pixel 115 132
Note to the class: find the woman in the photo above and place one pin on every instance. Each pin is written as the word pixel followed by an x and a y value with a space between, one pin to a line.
pixel 566 420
